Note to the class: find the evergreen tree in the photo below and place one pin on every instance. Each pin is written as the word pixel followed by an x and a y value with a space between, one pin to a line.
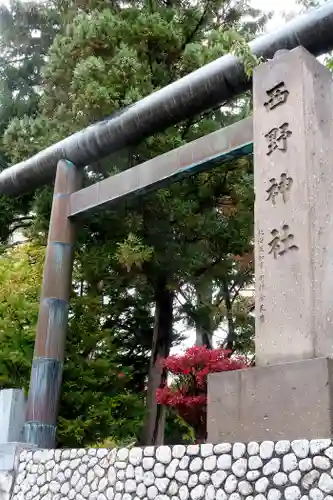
pixel 108 56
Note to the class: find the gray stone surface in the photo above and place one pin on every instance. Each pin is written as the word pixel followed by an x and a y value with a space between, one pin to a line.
pixel 294 312
pixel 242 405
pixel 257 471
pixel 12 413
pixel 293 130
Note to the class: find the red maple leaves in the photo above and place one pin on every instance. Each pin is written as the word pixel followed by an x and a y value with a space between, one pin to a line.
pixel 187 393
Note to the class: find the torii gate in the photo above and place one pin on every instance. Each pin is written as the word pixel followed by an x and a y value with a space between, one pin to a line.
pixel 206 87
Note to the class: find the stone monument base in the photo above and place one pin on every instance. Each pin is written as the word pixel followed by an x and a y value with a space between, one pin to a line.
pixel 286 401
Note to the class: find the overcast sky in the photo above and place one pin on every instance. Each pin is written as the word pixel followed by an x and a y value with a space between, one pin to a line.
pixel 279 7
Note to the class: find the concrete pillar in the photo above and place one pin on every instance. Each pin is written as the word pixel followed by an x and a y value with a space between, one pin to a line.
pixel 12 414
pixel 47 365
pixel 289 394
pixel 293 155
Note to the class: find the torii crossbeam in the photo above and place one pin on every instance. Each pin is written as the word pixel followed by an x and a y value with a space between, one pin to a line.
pixel 203 89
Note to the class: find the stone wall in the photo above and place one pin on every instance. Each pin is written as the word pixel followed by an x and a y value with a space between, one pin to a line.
pixel 291 470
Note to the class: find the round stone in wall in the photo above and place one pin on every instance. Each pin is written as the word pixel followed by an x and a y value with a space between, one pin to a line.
pixel 183 493
pixel 260 496
pixel 255 462
pixel 164 455
pixel 239 468
pixel 182 476
pixel 224 462
pixel 148 478
pixel 206 450
pixel 122 454
pixel 274 494
pixel 280 479
pixel 221 495
pixel 139 474
pixel 54 487
pixel 261 485
pixel 101 452
pixel 173 488
pixel 172 467
pixel 221 448
pixel 210 493
pixel 252 475
pixel 321 462
pixel 198 492
pixel 305 464
pixel 178 451
pixel 183 464
pixel 230 484
pixel 309 478
pixel 135 456
pixel 204 477
pixel 149 451
pixel 92 462
pixel 193 480
pixel 253 448
pixel 148 463
pixel 295 476
pixel 238 450
pixel 318 445
pixel 292 493
pixel 104 482
pixel 326 483
pixel 196 464
pixel 266 449
pixel 126 496
pixel 301 448
pixel 109 494
pixel 289 462
pixel 152 492
pixel 112 476
pixel 316 494
pixel 121 475
pixel 210 463
pixel 130 472
pixel 272 467
pixel 162 484
pixel 218 478
pixel 83 469
pixel 130 486
pixel 329 452
pixel 245 488
pixel 119 486
pixel 159 470
pixel 86 491
pixel 193 449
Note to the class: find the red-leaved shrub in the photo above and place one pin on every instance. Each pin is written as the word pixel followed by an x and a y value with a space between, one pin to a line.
pixel 187 393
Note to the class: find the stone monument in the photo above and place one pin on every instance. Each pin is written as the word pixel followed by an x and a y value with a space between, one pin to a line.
pixel 289 393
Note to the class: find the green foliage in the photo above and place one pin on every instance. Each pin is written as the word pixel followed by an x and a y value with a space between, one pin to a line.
pixel 100 395
pixel 20 278
pixel 107 56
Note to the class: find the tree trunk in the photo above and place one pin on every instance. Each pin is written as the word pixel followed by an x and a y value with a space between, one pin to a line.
pixel 203 323
pixel 153 432
pixel 230 342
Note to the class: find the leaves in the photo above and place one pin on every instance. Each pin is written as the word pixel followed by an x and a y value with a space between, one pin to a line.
pixel 191 235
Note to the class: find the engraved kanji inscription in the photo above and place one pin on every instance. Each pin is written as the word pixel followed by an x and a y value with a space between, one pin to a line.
pixel 261 283
pixel 276 96
pixel 277 138
pixel 282 187
pixel 282 242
